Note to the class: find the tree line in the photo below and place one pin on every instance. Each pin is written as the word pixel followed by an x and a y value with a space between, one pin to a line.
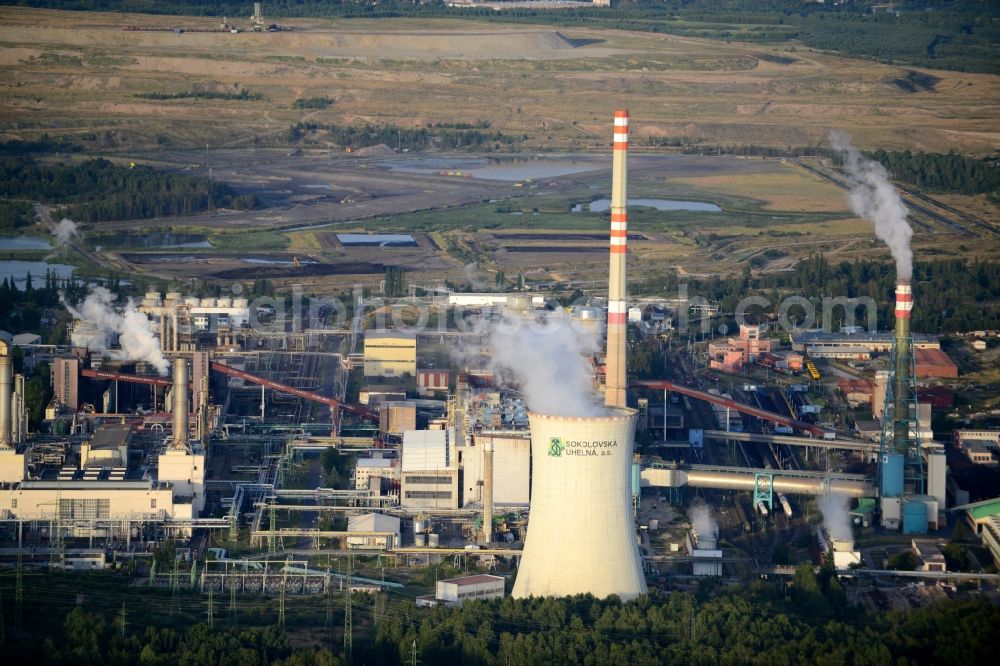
pixel 414 139
pixel 803 621
pixel 951 295
pixel 942 172
pixel 98 190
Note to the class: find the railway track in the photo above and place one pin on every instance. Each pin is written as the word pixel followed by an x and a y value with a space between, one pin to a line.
pixel 909 200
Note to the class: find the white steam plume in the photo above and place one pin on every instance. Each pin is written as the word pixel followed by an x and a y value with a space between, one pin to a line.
pixel 874 198
pixel 135 333
pixel 472 276
pixel 704 524
pixel 65 231
pixel 547 361
pixel 836 518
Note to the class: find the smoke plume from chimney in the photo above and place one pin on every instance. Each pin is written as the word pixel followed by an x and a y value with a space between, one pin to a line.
pixel 874 198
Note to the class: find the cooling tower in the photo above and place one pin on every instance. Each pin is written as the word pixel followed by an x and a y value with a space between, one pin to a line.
pixel 580 531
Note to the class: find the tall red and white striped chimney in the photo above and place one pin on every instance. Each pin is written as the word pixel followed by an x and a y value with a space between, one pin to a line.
pixel 616 382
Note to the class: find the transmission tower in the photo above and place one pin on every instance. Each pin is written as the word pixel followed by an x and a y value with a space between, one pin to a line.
pixel 174 586
pixel 123 624
pixel 413 653
pixel 281 604
pixel 232 605
pixel 329 600
pixel 348 621
pixel 272 545
pixel 18 595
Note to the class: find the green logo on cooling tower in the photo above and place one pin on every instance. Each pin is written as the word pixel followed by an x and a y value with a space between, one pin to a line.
pixel 555 446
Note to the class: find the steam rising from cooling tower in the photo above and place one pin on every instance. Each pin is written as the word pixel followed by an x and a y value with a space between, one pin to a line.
pixel 135 333
pixel 581 537
pixel 874 198
pixel 547 361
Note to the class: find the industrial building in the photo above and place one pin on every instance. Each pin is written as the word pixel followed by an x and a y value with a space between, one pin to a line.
pixel 733 354
pixel 431 381
pixel 397 416
pixel 511 467
pixel 376 531
pixel 455 591
pixel 429 472
pixel 876 343
pixel 390 353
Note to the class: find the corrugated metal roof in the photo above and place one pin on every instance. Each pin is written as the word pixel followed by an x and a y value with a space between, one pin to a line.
pixel 985 510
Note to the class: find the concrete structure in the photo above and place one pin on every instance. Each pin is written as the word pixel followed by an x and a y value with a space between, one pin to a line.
pixel 177 320
pixel 396 417
pixel 382 469
pixel 6 395
pixel 511 468
pixel 616 381
pixel 581 537
pixel 431 381
pixel 929 555
pixel 704 551
pixel 731 355
pixel 182 465
pixel 455 591
pixel 979 446
pixel 373 522
pixel 66 382
pixel 107 448
pixel 429 471
pixel 934 363
pixel 390 353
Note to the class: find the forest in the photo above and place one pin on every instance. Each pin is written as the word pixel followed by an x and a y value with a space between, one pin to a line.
pixel 98 190
pixel 951 295
pixel 803 621
pixel 957 34
pixel 403 138
pixel 939 172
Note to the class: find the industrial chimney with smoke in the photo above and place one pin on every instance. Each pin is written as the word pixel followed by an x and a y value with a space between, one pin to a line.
pixel 182 464
pixel 581 537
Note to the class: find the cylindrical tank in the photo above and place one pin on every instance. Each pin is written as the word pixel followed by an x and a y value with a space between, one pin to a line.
pixel 419 525
pixel 581 536
pixel 915 517
pixel 433 540
pixel 420 540
pixel 892 475
pixel 590 319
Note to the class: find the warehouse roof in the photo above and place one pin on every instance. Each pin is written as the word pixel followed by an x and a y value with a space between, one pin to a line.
pixel 985 510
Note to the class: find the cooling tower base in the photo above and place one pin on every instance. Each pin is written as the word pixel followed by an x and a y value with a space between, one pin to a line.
pixel 581 537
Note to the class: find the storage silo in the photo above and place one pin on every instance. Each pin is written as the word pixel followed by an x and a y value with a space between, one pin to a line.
pixel 580 531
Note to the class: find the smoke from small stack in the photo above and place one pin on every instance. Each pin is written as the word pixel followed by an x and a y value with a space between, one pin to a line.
pixel 874 198
pixel 616 383
pixel 705 527
pixel 135 334
pixel 65 231
pixel 180 404
pixel 836 519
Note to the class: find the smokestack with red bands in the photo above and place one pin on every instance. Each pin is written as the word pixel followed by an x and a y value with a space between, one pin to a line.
pixel 616 381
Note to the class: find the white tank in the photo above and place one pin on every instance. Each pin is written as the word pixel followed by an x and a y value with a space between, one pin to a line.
pixel 192 301
pixel 581 536
pixel 173 296
pixel 208 302
pixel 420 540
pixel 433 540
pixel 224 302
pixel 419 526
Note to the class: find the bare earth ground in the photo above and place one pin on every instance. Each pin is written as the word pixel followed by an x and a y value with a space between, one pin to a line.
pixel 79 75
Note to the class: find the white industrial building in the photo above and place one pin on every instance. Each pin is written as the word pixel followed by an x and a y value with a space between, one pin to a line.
pixel 390 353
pixel 376 531
pixel 367 469
pixel 706 557
pixel 513 301
pixel 456 591
pixel 511 468
pixel 429 471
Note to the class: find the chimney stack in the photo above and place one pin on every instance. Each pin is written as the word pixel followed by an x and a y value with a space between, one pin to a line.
pixel 487 492
pixel 616 383
pixel 901 388
pixel 180 404
pixel 6 391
